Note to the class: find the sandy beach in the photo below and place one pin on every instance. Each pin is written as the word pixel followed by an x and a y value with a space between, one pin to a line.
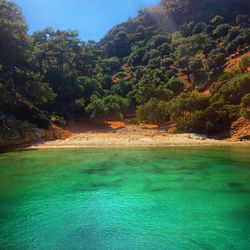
pixel 120 135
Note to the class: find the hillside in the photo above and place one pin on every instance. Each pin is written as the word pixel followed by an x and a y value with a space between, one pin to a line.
pixel 181 62
pixel 170 14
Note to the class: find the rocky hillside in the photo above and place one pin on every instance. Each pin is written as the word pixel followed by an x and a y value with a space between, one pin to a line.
pixel 15 132
pixel 170 14
pixel 182 11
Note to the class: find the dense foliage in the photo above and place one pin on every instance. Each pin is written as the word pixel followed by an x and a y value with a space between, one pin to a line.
pixel 52 75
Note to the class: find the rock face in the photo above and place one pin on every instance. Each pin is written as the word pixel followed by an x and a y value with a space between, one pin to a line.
pixel 14 132
pixel 240 129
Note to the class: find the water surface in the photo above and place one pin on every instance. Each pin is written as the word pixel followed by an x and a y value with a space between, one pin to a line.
pixel 134 198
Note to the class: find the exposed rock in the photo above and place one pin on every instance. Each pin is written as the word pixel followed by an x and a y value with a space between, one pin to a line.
pixel 14 132
pixel 171 127
pixel 57 133
pixel 240 129
pixel 197 137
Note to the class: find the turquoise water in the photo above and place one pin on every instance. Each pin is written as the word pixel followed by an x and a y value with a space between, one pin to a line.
pixel 135 198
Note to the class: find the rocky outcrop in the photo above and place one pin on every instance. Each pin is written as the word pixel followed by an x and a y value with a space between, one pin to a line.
pixel 171 127
pixel 57 133
pixel 240 129
pixel 14 132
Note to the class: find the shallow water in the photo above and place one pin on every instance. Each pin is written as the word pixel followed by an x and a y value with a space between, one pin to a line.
pixel 134 198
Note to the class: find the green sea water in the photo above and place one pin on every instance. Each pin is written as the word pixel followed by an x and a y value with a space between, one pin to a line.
pixel 126 198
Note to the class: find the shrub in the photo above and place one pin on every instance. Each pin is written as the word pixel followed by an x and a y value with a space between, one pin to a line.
pixel 208 121
pixel 244 64
pixel 217 20
pixel 221 30
pixel 245 106
pixel 166 62
pixel 216 58
pixel 175 85
pixel 132 121
pixel 58 120
pixel 153 111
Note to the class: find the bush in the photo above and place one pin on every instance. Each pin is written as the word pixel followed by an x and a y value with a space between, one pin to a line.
pixel 175 85
pixel 132 121
pixel 165 49
pixel 77 106
pixel 158 40
pixel 154 63
pixel 244 64
pixel 115 105
pixel 122 88
pixel 195 63
pixel 245 106
pixel 241 40
pixel 233 33
pixel 58 120
pixel 217 20
pixel 27 112
pixel 200 77
pixel 112 106
pixel 186 103
pixel 221 30
pixel 208 121
pixel 153 111
pixel 215 59
pixel 166 62
pixel 199 27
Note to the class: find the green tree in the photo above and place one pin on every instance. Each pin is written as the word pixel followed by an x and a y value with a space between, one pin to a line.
pixel 55 50
pixel 186 103
pixel 232 86
pixel 217 20
pixel 122 88
pixel 111 106
pixel 89 87
pixel 115 106
pixel 245 106
pixel 216 58
pixel 221 30
pixel 13 36
pixel 152 85
pixel 175 85
pixel 95 109
pixel 122 44
pixel 153 111
pixel 37 90
pixel 109 65
pixel 186 49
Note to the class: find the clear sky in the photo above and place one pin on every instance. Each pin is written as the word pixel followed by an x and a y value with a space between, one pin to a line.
pixel 92 18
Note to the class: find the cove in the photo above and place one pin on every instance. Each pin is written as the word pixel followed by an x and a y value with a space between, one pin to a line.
pixel 126 198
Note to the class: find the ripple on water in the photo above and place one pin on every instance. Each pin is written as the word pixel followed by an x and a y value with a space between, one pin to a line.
pixel 157 198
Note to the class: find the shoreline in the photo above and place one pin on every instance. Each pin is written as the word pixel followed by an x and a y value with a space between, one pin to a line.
pixel 132 137
pixel 27 148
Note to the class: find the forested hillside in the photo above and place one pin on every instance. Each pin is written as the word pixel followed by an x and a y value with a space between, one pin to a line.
pixel 167 64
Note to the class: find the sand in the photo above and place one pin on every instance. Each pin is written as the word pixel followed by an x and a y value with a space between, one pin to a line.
pixel 131 136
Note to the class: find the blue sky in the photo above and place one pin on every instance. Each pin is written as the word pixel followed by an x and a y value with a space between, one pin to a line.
pixel 92 18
